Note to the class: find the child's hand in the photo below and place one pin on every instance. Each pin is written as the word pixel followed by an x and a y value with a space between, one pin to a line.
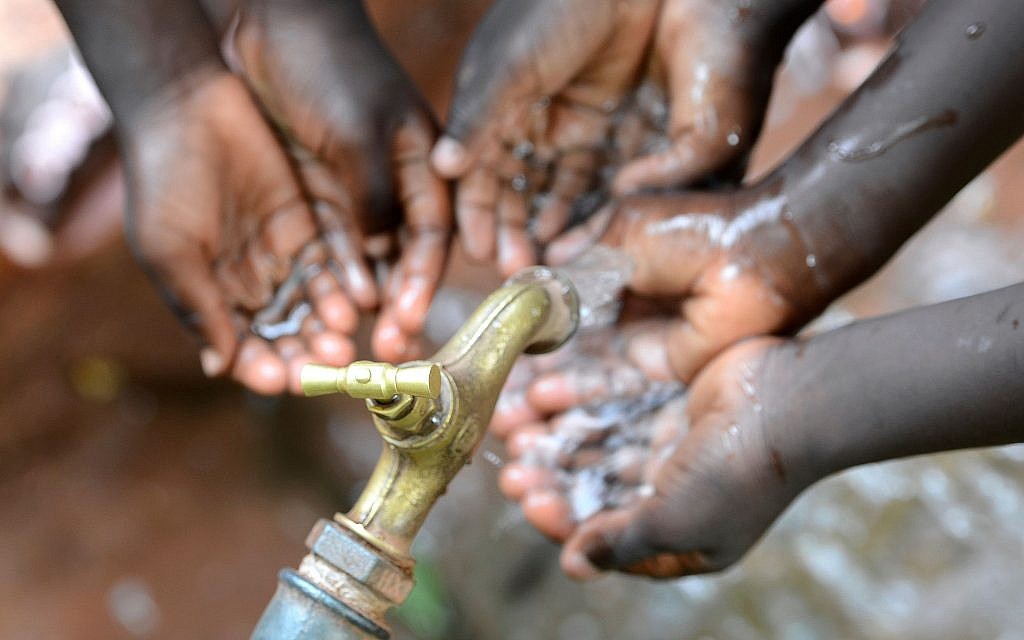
pixel 724 264
pixel 715 490
pixel 709 486
pixel 540 89
pixel 218 218
pixel 361 136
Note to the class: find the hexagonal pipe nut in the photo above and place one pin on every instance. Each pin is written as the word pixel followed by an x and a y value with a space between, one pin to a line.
pixel 333 543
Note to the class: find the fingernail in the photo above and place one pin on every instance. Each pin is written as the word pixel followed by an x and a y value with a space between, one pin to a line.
pixel 412 304
pixel 25 241
pixel 212 362
pixel 577 566
pixel 449 157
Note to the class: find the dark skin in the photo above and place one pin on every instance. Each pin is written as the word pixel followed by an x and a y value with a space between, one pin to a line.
pixel 215 213
pixel 210 249
pixel 361 142
pixel 768 257
pixel 553 74
pixel 768 418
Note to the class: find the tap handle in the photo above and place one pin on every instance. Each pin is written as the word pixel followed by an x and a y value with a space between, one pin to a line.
pixel 373 380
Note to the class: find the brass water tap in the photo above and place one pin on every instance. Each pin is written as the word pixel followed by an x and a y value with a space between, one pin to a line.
pixel 432 415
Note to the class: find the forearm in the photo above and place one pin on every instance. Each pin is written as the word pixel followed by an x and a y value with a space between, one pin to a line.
pixel 139 49
pixel 938 378
pixel 941 107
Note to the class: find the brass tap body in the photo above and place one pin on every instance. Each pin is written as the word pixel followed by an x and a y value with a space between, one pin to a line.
pixel 431 415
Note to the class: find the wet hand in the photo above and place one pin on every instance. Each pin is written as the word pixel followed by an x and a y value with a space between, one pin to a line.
pixel 701 260
pixel 706 484
pixel 218 218
pixel 360 135
pixel 546 85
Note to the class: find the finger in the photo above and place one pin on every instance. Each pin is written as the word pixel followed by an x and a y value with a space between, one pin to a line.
pixel 242 282
pixel 648 350
pixel 563 390
pixel 686 160
pixel 707 109
pixel 390 342
pixel 621 540
pixel 285 232
pixel 517 480
pixel 570 245
pixel 511 411
pixel 260 368
pixel 295 356
pixel 718 315
pixel 526 438
pixel 345 241
pixel 515 250
pixel 549 512
pixel 325 346
pixel 188 284
pixel 332 305
pixel 427 206
pixel 574 175
pixel 331 348
pixel 476 199
pixel 24 240
pixel 588 551
pixel 518 53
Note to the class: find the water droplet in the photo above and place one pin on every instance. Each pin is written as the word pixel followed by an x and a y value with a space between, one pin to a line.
pixel 733 138
pixel 543 103
pixel 609 106
pixel 975 30
pixel 131 604
pixel 523 150
pixel 520 183
pixel 812 260
pixel 493 458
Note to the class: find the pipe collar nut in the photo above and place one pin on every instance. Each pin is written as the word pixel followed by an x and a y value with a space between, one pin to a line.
pixel 334 544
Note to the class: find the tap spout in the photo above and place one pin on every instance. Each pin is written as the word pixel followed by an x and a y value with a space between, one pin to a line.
pixel 535 312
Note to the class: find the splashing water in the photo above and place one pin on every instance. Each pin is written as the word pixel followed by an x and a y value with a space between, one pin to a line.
pixel 599 450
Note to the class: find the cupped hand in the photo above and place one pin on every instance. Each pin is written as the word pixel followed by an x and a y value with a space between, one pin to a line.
pixel 217 216
pixel 360 135
pixel 721 266
pixel 695 496
pixel 544 88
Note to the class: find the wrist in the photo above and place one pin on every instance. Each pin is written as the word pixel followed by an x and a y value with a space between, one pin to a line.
pixel 789 415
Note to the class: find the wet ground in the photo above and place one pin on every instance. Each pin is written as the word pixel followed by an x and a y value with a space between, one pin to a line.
pixel 140 501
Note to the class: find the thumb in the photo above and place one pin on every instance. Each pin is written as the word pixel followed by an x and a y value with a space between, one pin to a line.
pixel 609 540
pixel 625 540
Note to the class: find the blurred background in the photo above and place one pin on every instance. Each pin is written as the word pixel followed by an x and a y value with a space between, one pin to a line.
pixel 140 500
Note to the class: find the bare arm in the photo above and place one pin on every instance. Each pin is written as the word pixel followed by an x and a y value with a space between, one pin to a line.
pixel 944 104
pixel 944 377
pixel 136 49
